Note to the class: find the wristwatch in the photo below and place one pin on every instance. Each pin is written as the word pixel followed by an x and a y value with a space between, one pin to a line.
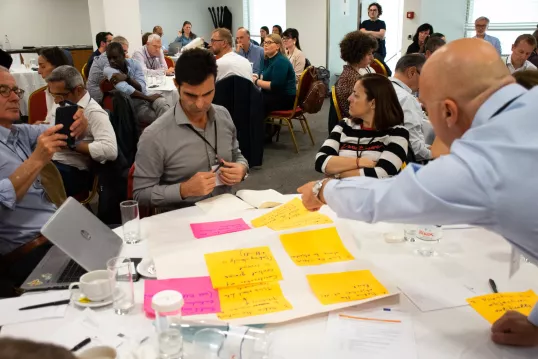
pixel 317 188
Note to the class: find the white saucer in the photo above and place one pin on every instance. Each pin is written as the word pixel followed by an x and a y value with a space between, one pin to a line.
pixel 76 295
pixel 143 267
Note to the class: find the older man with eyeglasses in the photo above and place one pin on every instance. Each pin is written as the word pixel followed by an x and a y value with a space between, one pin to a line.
pixel 229 63
pixel 24 207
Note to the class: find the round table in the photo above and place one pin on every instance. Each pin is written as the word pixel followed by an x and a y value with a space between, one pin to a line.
pixel 28 80
pixel 450 333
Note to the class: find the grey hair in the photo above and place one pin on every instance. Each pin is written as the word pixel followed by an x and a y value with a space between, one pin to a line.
pixel 69 75
pixel 120 40
pixel 153 37
pixel 3 69
pixel 482 18
pixel 411 60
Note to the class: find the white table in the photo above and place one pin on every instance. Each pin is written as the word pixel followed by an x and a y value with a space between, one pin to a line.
pixel 168 91
pixel 28 80
pixel 451 333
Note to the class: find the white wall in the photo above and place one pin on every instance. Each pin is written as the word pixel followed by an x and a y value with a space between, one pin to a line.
pixel 45 22
pixel 122 17
pixel 310 18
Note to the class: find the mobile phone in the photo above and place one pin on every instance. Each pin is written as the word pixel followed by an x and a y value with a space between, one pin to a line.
pixel 134 264
pixel 64 116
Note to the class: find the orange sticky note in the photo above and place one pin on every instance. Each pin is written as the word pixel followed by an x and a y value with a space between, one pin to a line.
pixel 315 247
pixel 305 220
pixel 242 267
pixel 332 288
pixel 493 306
pixel 283 213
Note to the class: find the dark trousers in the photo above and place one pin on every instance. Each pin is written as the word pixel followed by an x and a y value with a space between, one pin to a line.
pixel 75 180
pixel 277 102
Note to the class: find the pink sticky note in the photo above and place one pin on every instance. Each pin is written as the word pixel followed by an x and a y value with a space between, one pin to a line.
pixel 198 294
pixel 209 229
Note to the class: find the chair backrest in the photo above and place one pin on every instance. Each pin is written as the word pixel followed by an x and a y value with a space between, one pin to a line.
pixel 378 67
pixel 37 106
pixel 305 80
pixel 106 86
pixel 335 103
pixel 83 72
pixel 169 61
pixel 130 179
pixel 52 182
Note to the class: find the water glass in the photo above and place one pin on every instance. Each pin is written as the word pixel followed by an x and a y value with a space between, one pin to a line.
pixel 130 218
pixel 236 342
pixel 120 272
pixel 426 240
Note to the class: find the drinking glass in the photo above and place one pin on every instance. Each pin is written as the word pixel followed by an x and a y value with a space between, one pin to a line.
pixel 121 280
pixel 161 77
pixel 130 218
pixel 427 239
pixel 236 342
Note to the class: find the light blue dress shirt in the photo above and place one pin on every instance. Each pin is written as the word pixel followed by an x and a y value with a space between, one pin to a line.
pixel 494 41
pixel 20 222
pixel 489 179
pixel 256 56
pixel 134 70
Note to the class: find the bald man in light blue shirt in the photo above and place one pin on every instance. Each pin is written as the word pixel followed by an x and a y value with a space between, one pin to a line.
pixel 488 179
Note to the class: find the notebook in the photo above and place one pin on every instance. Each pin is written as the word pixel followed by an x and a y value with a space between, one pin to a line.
pixel 244 199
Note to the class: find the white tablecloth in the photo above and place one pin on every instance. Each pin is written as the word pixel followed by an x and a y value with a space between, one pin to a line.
pixel 168 90
pixel 29 81
pixel 450 333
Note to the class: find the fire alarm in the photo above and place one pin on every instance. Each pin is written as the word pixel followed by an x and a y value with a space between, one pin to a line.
pixel 411 15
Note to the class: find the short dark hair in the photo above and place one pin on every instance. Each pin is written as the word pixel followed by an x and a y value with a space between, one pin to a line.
pixel 411 60
pixel 535 33
pixel 356 45
pixel 11 348
pixel 433 43
pixel 388 112
pixel 421 28
pixel 293 34
pixel 528 38
pixel 279 29
pixel 378 6
pixel 114 46
pixel 155 28
pixel 145 38
pixel 265 28
pixel 526 78
pixel 437 34
pixel 101 37
pixel 194 66
pixel 54 55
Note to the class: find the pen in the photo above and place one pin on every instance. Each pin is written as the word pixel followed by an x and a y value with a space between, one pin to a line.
pixel 50 304
pixel 493 286
pixel 218 167
pixel 81 345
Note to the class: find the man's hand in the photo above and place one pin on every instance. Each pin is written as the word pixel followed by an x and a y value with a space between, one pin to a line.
pixel 170 71
pixel 152 98
pixel 513 328
pixel 238 47
pixel 232 173
pixel 201 184
pixel 118 77
pixel 79 127
pixel 48 143
pixel 311 202
pixel 366 163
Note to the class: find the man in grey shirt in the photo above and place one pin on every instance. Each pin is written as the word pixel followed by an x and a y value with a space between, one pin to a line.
pixel 191 152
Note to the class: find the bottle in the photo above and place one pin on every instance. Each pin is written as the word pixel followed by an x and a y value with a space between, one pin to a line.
pixel 167 305
pixel 7 44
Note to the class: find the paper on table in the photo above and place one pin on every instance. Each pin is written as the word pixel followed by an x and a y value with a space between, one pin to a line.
pixel 493 306
pixel 224 203
pixel 198 294
pixel 11 313
pixel 341 287
pixel 315 247
pixel 287 211
pixel 242 267
pixel 373 334
pixel 268 198
pixel 209 229
pixel 250 300
pixel 308 219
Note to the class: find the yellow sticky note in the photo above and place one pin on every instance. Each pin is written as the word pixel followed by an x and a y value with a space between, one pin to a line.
pixel 332 288
pixel 315 247
pixel 287 211
pixel 242 267
pixel 493 306
pixel 308 219
pixel 250 300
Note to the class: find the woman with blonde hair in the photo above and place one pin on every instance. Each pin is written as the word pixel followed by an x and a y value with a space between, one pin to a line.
pixel 278 77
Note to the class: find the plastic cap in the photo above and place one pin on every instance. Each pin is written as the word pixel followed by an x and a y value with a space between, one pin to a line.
pixel 167 301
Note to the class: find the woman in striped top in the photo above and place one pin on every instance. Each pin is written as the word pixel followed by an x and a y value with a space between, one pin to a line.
pixel 373 142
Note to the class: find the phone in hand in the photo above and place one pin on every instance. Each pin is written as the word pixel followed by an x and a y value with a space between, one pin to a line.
pixel 64 116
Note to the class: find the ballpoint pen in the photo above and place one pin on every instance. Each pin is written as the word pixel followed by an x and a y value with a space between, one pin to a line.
pixel 43 305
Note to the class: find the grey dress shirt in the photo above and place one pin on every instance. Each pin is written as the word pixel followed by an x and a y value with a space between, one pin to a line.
pixel 170 153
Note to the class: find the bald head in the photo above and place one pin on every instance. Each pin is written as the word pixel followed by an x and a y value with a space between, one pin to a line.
pixel 243 37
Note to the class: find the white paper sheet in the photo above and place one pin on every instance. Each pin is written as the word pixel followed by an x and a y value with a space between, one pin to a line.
pixel 12 315
pixel 225 203
pixel 268 198
pixel 373 335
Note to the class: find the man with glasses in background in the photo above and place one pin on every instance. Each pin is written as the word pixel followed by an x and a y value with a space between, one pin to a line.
pixel 481 25
pixel 254 54
pixel 228 62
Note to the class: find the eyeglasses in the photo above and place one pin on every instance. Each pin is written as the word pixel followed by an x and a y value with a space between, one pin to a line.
pixel 215 40
pixel 267 43
pixel 285 39
pixel 5 91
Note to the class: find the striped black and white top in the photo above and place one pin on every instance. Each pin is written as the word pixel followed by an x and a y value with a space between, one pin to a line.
pixel 349 139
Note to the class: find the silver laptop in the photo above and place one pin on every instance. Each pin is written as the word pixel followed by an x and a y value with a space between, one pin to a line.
pixel 174 48
pixel 81 243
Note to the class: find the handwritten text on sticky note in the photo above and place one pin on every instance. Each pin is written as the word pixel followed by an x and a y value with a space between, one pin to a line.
pixel 250 300
pixel 242 267
pixel 287 211
pixel 315 247
pixel 198 294
pixel 332 288
pixel 305 220
pixel 209 229
pixel 493 306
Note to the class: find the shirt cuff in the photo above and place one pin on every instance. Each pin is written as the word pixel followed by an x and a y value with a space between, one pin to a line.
pixel 172 194
pixel 533 317
pixel 8 196
pixel 328 189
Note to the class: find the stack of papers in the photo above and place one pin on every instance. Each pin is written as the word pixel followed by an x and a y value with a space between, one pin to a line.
pixel 12 315
pixel 246 199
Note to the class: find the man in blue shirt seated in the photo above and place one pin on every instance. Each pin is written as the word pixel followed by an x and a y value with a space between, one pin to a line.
pixel 254 54
pixel 487 179
pixel 481 25
pixel 126 75
pixel 24 207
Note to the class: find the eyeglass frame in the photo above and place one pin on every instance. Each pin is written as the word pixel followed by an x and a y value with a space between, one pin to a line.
pixel 212 41
pixel 268 43
pixel 15 89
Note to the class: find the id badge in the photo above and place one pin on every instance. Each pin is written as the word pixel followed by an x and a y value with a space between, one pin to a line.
pixel 219 182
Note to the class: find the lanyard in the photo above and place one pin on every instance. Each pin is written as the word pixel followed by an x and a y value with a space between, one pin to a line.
pixel 204 139
pixel 150 60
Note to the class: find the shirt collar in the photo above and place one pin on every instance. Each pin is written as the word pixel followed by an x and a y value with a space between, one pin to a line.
pixel 495 102
pixel 401 83
pixel 85 100
pixel 182 119
pixel 6 133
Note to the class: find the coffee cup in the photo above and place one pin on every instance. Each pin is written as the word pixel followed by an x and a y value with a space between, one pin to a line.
pixel 100 352
pixel 95 285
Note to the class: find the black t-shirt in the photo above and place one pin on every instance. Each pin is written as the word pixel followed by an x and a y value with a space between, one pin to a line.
pixel 376 26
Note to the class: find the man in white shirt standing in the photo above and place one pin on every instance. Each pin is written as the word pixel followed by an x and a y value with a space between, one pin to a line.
pixel 228 62
pixel 66 84
pixel 405 82
pixel 521 50
pixel 151 56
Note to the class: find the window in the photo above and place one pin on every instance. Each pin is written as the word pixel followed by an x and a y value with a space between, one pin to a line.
pixel 507 20
pixel 258 13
